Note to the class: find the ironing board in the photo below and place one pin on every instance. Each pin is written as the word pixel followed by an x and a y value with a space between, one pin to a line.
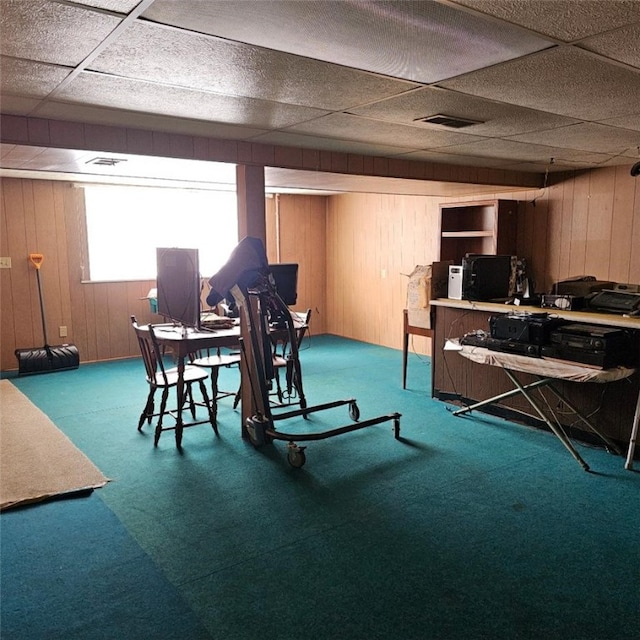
pixel 547 371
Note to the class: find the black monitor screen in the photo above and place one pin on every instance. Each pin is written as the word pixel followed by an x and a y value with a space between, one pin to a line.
pixel 286 279
pixel 486 277
pixel 178 284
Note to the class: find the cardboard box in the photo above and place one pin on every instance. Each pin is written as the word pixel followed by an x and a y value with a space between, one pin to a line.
pixel 426 283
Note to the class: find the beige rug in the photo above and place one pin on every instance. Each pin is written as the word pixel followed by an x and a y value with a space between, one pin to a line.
pixel 37 461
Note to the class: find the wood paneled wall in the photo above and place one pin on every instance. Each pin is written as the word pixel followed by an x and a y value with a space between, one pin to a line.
pixel 587 223
pixel 296 233
pixel 42 216
pixel 355 252
pixel 373 243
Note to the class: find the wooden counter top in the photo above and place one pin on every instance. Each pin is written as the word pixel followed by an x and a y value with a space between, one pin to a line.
pixel 588 317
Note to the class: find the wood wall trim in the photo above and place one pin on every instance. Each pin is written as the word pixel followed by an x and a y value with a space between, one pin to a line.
pixel 107 138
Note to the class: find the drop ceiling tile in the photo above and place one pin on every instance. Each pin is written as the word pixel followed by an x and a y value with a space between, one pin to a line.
pixel 287 139
pixel 331 183
pixel 27 78
pixel 349 127
pixel 45 160
pixel 118 6
pixel 497 119
pixel 419 41
pixel 540 167
pixel 50 31
pixel 138 120
pixel 122 93
pixel 451 158
pixel 193 170
pixel 586 137
pixel 566 20
pixel 631 122
pixel 621 44
pixel 135 166
pixel 520 151
pixel 170 56
pixel 14 155
pixel 17 105
pixel 564 81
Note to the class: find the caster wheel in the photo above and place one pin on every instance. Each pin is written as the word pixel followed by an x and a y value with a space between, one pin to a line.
pixel 296 457
pixel 354 412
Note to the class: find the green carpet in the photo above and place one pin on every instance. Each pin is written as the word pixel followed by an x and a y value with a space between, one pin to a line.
pixel 467 528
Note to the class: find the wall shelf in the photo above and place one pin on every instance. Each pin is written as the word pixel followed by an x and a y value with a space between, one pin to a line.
pixel 485 227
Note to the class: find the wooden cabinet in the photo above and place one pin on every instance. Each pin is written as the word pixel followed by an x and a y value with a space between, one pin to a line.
pixel 486 227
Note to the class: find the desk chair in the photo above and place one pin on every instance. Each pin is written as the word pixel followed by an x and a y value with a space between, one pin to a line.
pixel 215 361
pixel 159 377
pixel 281 360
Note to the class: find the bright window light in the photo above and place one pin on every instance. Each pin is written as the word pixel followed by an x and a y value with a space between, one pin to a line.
pixel 125 225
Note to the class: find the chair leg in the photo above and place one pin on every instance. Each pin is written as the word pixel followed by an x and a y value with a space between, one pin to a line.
pixel 278 386
pixel 214 383
pixel 210 404
pixel 163 406
pixel 192 404
pixel 147 412
pixel 236 400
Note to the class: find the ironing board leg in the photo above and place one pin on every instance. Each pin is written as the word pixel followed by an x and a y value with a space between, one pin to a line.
pixel 634 436
pixel 608 442
pixel 558 432
pixel 502 396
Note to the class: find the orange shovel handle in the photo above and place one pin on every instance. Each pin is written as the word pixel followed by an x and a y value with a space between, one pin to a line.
pixel 36 259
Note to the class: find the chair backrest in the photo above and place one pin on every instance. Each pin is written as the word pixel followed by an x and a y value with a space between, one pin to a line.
pixel 302 330
pixel 282 347
pixel 150 350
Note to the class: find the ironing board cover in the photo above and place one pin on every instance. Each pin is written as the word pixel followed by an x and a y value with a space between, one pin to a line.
pixel 546 367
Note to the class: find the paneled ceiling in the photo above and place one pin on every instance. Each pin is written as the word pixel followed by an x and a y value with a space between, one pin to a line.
pixel 545 85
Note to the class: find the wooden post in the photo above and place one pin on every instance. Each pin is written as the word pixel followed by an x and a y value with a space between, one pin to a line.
pixel 251 222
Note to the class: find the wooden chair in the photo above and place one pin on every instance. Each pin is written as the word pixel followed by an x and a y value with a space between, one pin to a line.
pixel 159 377
pixel 410 330
pixel 215 361
pixel 281 360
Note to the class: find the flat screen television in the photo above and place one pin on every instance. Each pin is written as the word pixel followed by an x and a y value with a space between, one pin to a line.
pixel 178 284
pixel 285 276
pixel 486 277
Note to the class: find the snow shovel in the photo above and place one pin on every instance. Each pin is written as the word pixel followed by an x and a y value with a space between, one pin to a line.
pixel 45 359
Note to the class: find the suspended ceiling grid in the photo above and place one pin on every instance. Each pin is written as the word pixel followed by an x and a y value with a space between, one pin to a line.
pixel 550 85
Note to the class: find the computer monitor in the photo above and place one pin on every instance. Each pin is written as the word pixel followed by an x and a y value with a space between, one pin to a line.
pixel 178 284
pixel 487 277
pixel 285 276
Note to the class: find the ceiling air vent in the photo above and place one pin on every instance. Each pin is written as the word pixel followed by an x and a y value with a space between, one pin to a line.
pixel 106 162
pixel 450 122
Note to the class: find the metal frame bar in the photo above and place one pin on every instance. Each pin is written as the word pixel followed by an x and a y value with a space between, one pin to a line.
pixel 524 390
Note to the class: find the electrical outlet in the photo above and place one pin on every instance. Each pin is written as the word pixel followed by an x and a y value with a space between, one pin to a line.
pixel 5 263
pixel 63 332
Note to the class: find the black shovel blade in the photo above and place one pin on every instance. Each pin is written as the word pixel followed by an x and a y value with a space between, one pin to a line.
pixel 47 359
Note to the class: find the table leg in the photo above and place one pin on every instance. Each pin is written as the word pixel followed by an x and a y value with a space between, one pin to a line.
pixel 180 393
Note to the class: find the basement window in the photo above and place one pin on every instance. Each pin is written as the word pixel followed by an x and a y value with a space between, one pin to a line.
pixel 126 224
